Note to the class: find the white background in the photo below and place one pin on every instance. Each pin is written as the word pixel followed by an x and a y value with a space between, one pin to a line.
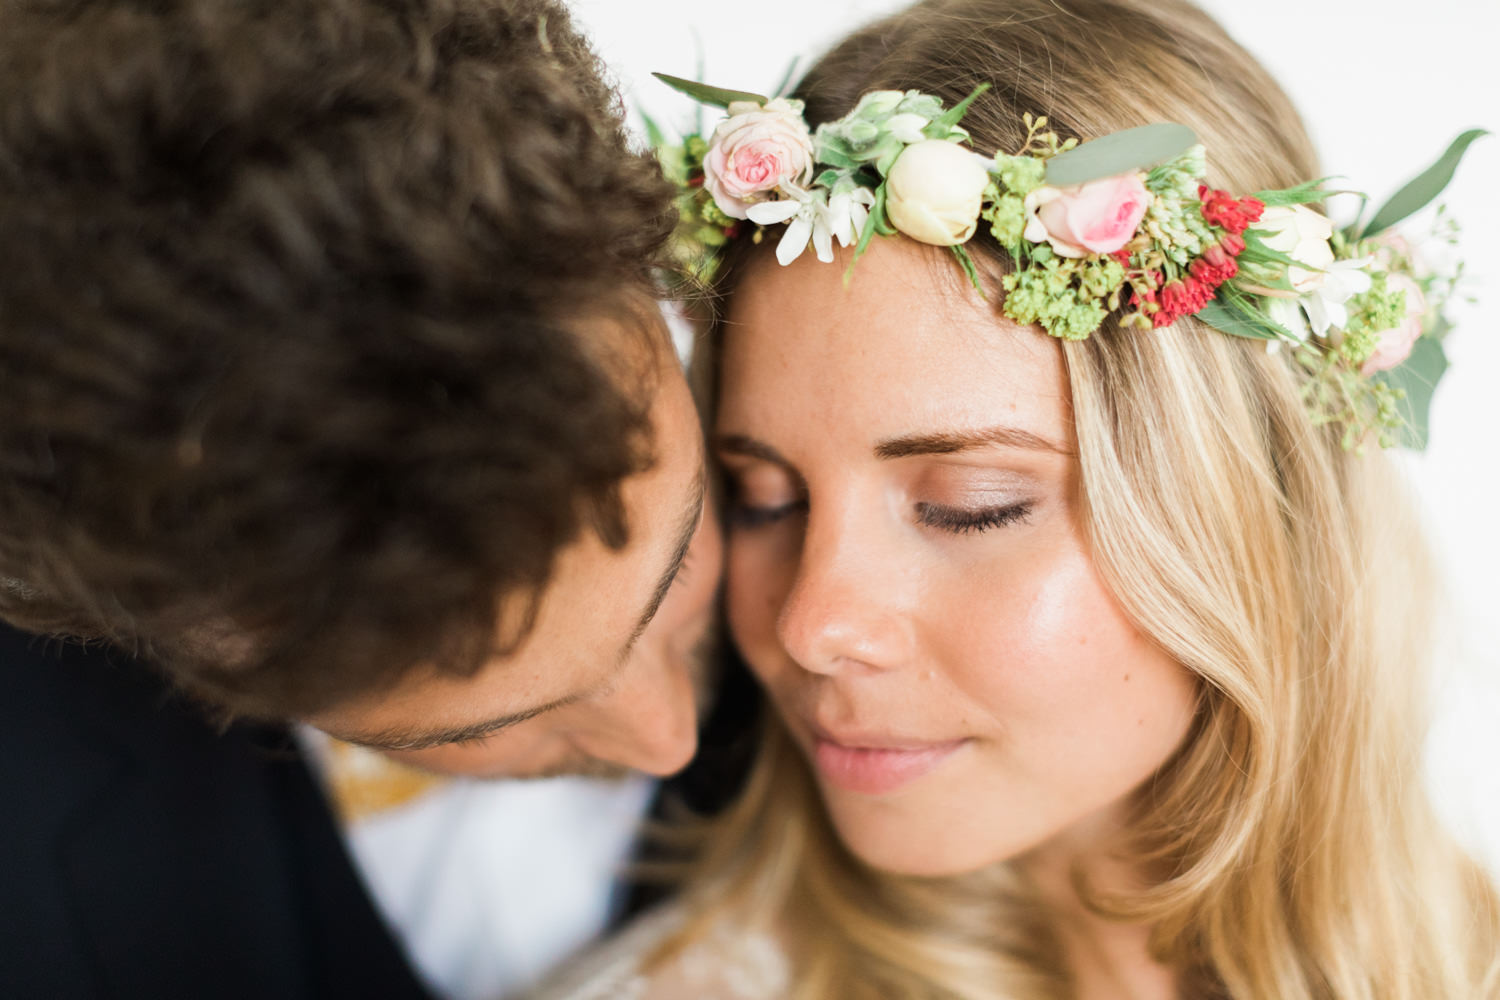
pixel 1383 85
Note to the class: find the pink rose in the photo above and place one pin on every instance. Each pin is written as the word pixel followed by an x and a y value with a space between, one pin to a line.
pixel 1397 342
pixel 1094 218
pixel 755 151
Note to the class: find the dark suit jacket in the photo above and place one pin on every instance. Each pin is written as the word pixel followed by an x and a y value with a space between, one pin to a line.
pixel 145 855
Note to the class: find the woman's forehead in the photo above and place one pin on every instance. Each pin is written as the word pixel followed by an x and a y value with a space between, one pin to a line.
pixel 903 341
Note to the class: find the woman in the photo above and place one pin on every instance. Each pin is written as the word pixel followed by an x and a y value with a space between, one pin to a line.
pixel 1095 656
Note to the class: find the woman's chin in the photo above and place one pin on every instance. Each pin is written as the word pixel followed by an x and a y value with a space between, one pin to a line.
pixel 903 838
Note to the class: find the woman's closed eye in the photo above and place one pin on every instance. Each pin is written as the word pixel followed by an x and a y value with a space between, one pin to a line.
pixel 964 521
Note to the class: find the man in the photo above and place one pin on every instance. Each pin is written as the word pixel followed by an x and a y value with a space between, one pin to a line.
pixel 331 389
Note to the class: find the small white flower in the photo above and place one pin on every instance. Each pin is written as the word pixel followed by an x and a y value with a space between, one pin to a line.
pixel 1325 304
pixel 847 213
pixel 807 217
pixel 1324 307
pixel 1302 235
pixel 1287 314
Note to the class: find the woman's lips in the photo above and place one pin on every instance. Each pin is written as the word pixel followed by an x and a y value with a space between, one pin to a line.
pixel 877 770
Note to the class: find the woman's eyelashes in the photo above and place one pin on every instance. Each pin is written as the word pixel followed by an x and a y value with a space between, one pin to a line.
pixel 965 521
pixel 954 520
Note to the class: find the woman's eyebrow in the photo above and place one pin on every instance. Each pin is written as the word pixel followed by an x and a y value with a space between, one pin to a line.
pixel 948 442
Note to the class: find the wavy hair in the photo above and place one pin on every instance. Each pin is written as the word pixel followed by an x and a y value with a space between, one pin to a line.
pixel 1297 854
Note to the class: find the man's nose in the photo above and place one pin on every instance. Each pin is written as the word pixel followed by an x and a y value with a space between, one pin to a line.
pixel 649 723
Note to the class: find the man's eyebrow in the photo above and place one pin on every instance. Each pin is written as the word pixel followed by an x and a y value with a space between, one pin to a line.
pixel 688 529
pixel 425 739
pixel 949 442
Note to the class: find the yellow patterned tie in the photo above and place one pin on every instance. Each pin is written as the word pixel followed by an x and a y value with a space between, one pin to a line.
pixel 364 782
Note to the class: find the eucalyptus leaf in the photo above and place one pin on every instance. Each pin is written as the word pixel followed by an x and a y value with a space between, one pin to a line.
pixel 1426 186
pixel 1237 321
pixel 703 93
pixel 1418 375
pixel 1119 153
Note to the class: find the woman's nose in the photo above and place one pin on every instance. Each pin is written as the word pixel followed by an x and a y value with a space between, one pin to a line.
pixel 843 612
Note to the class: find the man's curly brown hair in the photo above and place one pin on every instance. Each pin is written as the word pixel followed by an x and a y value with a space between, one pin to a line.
pixel 292 388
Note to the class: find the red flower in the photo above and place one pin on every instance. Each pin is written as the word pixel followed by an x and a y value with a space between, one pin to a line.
pixel 1232 244
pixel 1221 209
pixel 1251 208
pixel 1182 298
pixel 1214 268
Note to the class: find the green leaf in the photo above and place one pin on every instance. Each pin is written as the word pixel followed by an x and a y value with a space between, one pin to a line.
pixel 1424 187
pixel 939 127
pixel 833 157
pixel 872 226
pixel 1418 375
pixel 967 263
pixel 785 86
pixel 883 224
pixel 1303 194
pixel 654 135
pixel 1238 319
pixel 1256 250
pixel 1119 153
pixel 702 92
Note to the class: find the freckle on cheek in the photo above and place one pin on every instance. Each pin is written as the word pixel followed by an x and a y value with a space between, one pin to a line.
pixel 1127 678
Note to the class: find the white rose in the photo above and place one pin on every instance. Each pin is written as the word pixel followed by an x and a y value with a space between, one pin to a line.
pixel 1302 235
pixel 934 191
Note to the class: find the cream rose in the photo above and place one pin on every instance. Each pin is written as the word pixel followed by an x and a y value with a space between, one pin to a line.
pixel 1302 235
pixel 1098 217
pixel 934 192
pixel 755 151
pixel 1397 342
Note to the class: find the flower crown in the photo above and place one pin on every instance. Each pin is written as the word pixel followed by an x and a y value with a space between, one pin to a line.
pixel 1123 225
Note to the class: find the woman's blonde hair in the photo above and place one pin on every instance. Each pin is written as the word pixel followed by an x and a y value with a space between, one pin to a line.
pixel 1297 853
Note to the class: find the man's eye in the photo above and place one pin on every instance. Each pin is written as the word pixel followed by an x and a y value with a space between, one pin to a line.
pixel 963 522
pixel 743 515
